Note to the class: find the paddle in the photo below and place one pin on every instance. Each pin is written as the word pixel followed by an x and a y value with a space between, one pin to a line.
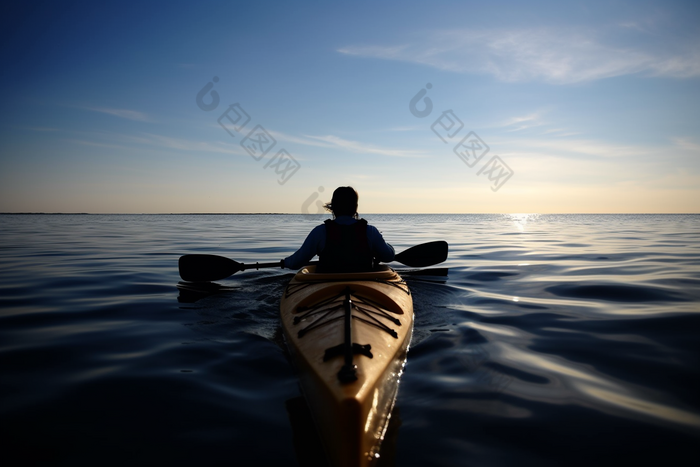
pixel 423 255
pixel 205 268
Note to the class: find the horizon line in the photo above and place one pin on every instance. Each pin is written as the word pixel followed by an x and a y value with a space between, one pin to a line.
pixel 29 213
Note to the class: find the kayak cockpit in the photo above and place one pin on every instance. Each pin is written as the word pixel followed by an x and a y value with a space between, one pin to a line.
pixel 309 274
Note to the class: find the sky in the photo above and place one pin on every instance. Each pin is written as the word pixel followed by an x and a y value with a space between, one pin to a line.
pixel 422 107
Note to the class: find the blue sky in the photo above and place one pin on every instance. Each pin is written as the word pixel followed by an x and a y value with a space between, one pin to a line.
pixel 565 106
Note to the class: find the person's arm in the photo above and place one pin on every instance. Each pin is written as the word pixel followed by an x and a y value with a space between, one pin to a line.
pixel 311 247
pixel 380 248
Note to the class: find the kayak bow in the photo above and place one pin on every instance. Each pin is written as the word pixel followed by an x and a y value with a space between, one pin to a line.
pixel 348 334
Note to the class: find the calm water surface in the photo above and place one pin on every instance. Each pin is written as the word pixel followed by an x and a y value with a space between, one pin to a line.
pixel 554 340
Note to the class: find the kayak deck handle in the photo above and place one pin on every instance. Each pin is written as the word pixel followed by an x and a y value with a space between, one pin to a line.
pixel 348 372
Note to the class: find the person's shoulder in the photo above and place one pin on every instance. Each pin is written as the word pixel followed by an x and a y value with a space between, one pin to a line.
pixel 316 234
pixel 372 229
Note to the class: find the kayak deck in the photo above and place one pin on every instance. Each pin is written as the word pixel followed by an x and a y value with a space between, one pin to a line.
pixel 348 335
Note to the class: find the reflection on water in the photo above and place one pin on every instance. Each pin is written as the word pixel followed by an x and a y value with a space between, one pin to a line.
pixel 307 442
pixel 520 220
pixel 549 340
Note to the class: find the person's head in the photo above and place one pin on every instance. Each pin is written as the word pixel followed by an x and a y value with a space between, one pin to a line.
pixel 344 202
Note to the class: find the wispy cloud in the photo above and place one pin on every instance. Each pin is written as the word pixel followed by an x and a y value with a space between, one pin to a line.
pixel 188 145
pixel 185 144
pixel 687 144
pixel 122 113
pixel 364 148
pixel 36 128
pixel 523 122
pixel 580 146
pixel 335 142
pixel 551 55
pixel 304 140
pixel 129 141
pixel 521 119
pixel 83 142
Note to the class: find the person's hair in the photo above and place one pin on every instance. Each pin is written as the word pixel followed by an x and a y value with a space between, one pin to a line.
pixel 344 202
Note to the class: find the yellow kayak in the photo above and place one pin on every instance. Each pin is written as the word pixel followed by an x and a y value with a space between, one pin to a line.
pixel 348 334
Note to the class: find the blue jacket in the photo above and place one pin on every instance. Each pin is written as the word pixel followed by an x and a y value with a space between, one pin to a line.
pixel 316 241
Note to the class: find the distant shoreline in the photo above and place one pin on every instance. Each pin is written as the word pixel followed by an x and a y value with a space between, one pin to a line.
pixel 326 214
pixel 153 214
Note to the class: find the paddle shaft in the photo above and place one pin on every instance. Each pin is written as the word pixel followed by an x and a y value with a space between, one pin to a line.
pixel 276 264
pixel 203 268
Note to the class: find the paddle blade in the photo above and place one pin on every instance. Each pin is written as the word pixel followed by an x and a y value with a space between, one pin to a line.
pixel 423 255
pixel 206 268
